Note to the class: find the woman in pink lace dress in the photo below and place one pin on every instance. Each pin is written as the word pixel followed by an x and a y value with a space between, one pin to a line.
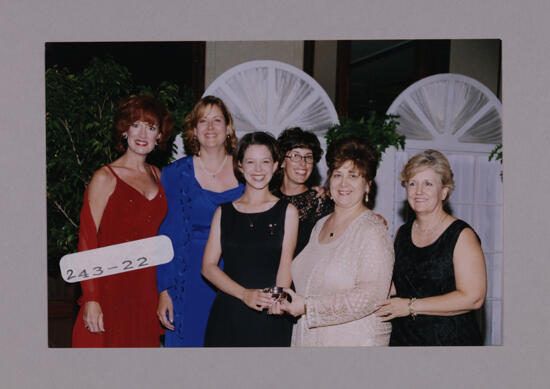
pixel 347 265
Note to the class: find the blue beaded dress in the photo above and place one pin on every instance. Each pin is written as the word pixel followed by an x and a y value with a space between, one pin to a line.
pixel 187 224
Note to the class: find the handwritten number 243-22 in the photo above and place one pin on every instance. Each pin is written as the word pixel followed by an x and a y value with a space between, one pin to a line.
pixel 98 270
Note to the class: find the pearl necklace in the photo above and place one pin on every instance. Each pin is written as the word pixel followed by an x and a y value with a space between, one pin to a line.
pixel 217 171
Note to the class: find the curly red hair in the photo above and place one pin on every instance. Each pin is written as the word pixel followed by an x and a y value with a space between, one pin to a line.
pixel 147 109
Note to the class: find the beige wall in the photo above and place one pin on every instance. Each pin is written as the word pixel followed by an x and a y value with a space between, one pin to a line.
pixel 324 66
pixel 221 56
pixel 478 59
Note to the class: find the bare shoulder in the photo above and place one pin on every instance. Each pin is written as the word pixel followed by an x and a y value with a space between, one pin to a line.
pixel 291 211
pixel 102 184
pixel 468 238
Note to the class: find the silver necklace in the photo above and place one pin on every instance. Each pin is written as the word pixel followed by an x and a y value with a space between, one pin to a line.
pixel 217 171
pixel 432 229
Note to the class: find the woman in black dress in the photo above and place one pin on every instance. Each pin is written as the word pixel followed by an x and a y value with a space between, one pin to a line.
pixel 299 152
pixel 256 234
pixel 439 273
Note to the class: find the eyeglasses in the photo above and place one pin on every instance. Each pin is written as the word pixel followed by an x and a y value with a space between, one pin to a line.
pixel 295 157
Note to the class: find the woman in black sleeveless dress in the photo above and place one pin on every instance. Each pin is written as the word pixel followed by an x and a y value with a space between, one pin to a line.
pixel 439 274
pixel 256 234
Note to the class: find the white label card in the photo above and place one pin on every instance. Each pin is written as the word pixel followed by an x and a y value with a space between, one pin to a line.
pixel 118 258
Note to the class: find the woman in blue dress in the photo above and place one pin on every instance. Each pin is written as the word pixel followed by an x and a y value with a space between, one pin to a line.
pixel 195 186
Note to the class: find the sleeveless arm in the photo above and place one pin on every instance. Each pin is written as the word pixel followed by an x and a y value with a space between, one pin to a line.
pixel 470 279
pixel 470 282
pixel 372 283
pixel 284 277
pixel 96 197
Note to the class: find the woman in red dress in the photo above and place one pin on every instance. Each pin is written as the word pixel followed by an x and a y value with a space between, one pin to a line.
pixel 124 202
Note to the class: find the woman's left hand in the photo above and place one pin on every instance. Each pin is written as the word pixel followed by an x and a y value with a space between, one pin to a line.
pixel 296 307
pixel 391 308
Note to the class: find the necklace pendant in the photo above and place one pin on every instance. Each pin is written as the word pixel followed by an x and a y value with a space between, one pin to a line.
pixel 331 234
pixel 251 225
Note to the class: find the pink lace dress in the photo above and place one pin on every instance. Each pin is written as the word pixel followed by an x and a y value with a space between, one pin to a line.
pixel 341 281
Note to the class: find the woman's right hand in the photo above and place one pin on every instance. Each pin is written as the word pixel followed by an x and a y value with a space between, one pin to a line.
pixel 257 299
pixel 165 306
pixel 93 317
pixel 298 305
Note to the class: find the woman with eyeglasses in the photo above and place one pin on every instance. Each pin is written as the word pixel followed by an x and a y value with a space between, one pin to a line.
pixel 300 150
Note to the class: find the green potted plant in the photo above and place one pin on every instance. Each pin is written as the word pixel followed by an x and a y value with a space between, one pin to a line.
pixel 379 130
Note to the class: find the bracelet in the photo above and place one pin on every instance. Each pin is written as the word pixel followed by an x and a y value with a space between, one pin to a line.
pixel 412 313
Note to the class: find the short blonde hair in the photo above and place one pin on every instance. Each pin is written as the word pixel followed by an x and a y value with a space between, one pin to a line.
pixel 429 159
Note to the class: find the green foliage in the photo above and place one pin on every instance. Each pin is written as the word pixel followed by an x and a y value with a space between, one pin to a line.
pixel 79 121
pixel 379 130
pixel 496 154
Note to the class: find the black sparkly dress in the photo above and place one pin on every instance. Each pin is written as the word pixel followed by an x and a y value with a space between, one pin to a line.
pixel 251 249
pixel 310 209
pixel 428 271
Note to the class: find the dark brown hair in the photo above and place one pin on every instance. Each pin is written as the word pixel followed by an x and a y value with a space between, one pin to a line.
pixel 254 138
pixel 357 150
pixel 296 138
pixel 190 143
pixel 142 108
